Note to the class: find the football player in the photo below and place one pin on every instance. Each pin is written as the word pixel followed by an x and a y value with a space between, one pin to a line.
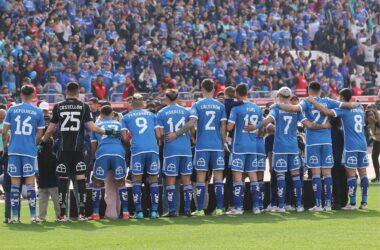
pixel 109 154
pixel 285 149
pixel 355 147
pixel 25 123
pixel 210 117
pixel 244 118
pixel 177 153
pixel 144 131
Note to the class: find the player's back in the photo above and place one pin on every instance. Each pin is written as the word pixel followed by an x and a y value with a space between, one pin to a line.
pixel 244 115
pixel 71 115
pixel 141 124
pixel 24 120
pixel 209 113
pixel 285 140
pixel 353 129
pixel 172 118
pixel 108 145
pixel 318 136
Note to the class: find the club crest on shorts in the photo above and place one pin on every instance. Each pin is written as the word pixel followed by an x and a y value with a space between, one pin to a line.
pixel 352 160
pixel 27 168
pixel 201 162
pixel 81 166
pixel 296 160
pixel 119 170
pixel 220 161
pixel 313 159
pixel 329 159
pixel 12 168
pixel 137 166
pixel 281 163
pixel 61 168
pixel 154 166
pixel 99 171
pixel 170 167
pixel 189 166
pixel 237 163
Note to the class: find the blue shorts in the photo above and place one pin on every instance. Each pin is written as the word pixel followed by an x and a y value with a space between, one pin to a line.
pixel 355 159
pixel 319 156
pixel 109 162
pixel 243 162
pixel 22 166
pixel 175 165
pixel 205 159
pixel 286 162
pixel 261 162
pixel 145 162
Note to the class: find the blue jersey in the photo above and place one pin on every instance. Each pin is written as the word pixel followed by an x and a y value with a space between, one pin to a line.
pixel 353 129
pixel 171 119
pixel 24 120
pixel 108 145
pixel 141 124
pixel 285 139
pixel 246 114
pixel 319 136
pixel 209 113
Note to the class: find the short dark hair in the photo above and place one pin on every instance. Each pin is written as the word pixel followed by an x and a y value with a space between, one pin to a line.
pixel 171 94
pixel 27 90
pixel 106 110
pixel 208 85
pixel 315 86
pixel 94 100
pixel 229 92
pixel 242 90
pixel 72 86
pixel 346 94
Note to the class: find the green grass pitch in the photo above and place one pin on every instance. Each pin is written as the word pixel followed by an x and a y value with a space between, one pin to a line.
pixel 332 230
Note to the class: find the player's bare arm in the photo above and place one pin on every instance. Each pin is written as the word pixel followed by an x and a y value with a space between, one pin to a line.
pixel 223 130
pixel 124 137
pixel 289 107
pixel 190 124
pixel 40 133
pixel 230 126
pixel 159 132
pixel 5 134
pixel 266 121
pixel 312 125
pixel 321 108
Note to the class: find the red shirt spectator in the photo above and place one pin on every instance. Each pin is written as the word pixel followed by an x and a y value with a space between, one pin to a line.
pixel 130 89
pixel 99 90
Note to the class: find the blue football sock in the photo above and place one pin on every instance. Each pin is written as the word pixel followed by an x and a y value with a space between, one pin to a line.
pixel 262 192
pixel 31 194
pixel 123 195
pixel 219 191
pixel 317 188
pixel 328 189
pixel 255 192
pixel 154 195
pixel 238 194
pixel 297 186
pixel 136 192
pixel 351 183
pixel 171 197
pixel 187 193
pixel 281 190
pixel 364 186
pixel 15 200
pixel 96 196
pixel 273 190
pixel 201 190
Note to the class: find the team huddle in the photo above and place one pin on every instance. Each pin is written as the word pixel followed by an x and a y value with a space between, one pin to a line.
pixel 207 125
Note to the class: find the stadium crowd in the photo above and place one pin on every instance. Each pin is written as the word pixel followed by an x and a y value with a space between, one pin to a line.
pixel 116 48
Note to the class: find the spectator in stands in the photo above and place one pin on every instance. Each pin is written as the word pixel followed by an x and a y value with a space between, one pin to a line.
pixel 52 88
pixel 66 77
pixel 99 89
pixel 130 88
pixel 94 106
pixel 9 79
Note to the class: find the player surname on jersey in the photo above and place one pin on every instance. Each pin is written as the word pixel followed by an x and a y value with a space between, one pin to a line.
pixel 25 111
pixel 67 107
pixel 210 106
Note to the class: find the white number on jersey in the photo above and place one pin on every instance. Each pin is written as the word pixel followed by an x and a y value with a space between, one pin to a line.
pixel 358 123
pixel 212 115
pixel 250 120
pixel 318 115
pixel 142 123
pixel 24 127
pixel 111 126
pixel 288 120
pixel 72 117
pixel 178 126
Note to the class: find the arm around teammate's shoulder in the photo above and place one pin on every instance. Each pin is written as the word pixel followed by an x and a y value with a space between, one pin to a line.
pixel 321 108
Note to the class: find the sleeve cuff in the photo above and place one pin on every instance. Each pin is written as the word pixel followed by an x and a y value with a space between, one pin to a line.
pixel 335 115
pixel 303 119
pixel 272 117
pixel 300 107
pixel 94 141
pixel 223 119
pixel 230 121
pixel 7 123
pixel 42 127
pixel 123 129
pixel 194 116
